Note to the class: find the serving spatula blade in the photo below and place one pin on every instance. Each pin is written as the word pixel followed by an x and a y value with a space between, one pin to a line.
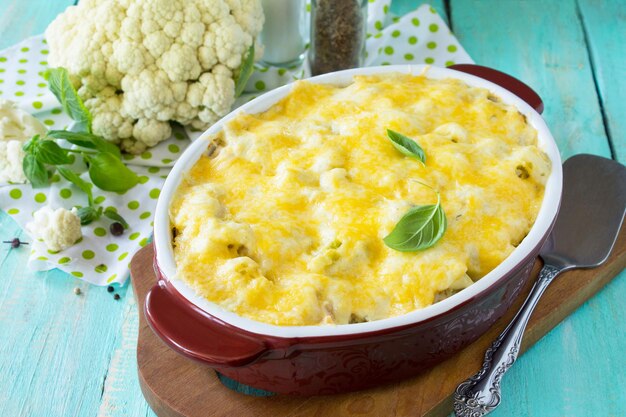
pixel 592 211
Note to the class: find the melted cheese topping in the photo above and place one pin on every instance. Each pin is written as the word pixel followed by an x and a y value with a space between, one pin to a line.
pixel 284 222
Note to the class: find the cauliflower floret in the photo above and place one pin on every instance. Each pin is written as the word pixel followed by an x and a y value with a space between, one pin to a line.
pixel 59 229
pixel 16 124
pixel 11 156
pixel 106 116
pixel 333 179
pixel 454 131
pixel 140 64
pixel 16 127
pixel 150 131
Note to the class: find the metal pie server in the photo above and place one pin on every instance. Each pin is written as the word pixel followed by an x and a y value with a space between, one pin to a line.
pixel 586 228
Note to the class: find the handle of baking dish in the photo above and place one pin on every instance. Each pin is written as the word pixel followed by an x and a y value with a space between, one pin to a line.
pixel 512 84
pixel 197 335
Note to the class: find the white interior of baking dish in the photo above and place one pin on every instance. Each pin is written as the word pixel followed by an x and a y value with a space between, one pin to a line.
pixel 547 212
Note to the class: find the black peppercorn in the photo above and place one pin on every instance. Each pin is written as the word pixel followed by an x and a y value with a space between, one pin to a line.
pixel 116 296
pixel 116 229
pixel 110 288
pixel 15 242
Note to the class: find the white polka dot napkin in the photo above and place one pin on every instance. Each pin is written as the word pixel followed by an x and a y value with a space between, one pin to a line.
pixel 100 258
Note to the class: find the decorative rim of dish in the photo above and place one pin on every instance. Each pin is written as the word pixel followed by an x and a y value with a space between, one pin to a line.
pixel 545 217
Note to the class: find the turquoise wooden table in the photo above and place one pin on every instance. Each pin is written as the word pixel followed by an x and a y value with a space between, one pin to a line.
pixel 68 355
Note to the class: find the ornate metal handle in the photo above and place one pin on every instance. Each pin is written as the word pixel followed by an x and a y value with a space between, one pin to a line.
pixel 480 394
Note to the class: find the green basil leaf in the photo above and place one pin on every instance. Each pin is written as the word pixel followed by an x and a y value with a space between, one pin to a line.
pixel 35 171
pixel 76 138
pixel 104 145
pixel 420 228
pixel 49 152
pixel 406 146
pixel 60 85
pixel 245 71
pixel 87 140
pixel 30 145
pixel 73 177
pixel 113 215
pixel 108 173
pixel 88 214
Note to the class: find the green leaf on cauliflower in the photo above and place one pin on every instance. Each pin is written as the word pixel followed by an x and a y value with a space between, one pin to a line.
pixel 61 86
pixel 246 70
pixel 108 173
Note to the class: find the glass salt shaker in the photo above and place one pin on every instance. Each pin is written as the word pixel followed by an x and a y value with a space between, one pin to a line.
pixel 337 35
pixel 284 32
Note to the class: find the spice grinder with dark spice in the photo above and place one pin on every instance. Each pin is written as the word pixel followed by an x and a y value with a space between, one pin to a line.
pixel 337 35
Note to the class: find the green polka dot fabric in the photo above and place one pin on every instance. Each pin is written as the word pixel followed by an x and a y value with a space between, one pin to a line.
pixel 419 37
pixel 99 258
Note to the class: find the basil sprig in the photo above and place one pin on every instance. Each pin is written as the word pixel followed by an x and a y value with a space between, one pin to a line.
pixel 420 228
pixel 106 169
pixel 406 146
pixel 103 158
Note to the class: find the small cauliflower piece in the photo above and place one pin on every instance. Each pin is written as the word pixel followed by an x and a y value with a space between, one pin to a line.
pixel 454 131
pixel 11 157
pixel 59 229
pixel 139 65
pixel 16 127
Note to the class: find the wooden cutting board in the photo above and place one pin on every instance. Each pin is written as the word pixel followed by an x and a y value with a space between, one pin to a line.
pixel 175 386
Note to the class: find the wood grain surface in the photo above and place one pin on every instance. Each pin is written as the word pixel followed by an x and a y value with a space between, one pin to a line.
pixel 175 386
pixel 67 355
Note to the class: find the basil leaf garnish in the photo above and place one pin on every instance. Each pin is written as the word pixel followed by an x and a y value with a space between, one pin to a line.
pixel 406 146
pixel 420 228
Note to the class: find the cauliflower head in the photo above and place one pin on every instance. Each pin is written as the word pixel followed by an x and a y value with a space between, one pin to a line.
pixel 139 64
pixel 59 229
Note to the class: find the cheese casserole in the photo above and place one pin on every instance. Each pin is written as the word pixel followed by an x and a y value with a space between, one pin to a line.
pixel 282 220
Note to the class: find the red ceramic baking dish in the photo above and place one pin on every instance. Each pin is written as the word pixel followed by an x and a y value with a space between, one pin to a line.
pixel 309 360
